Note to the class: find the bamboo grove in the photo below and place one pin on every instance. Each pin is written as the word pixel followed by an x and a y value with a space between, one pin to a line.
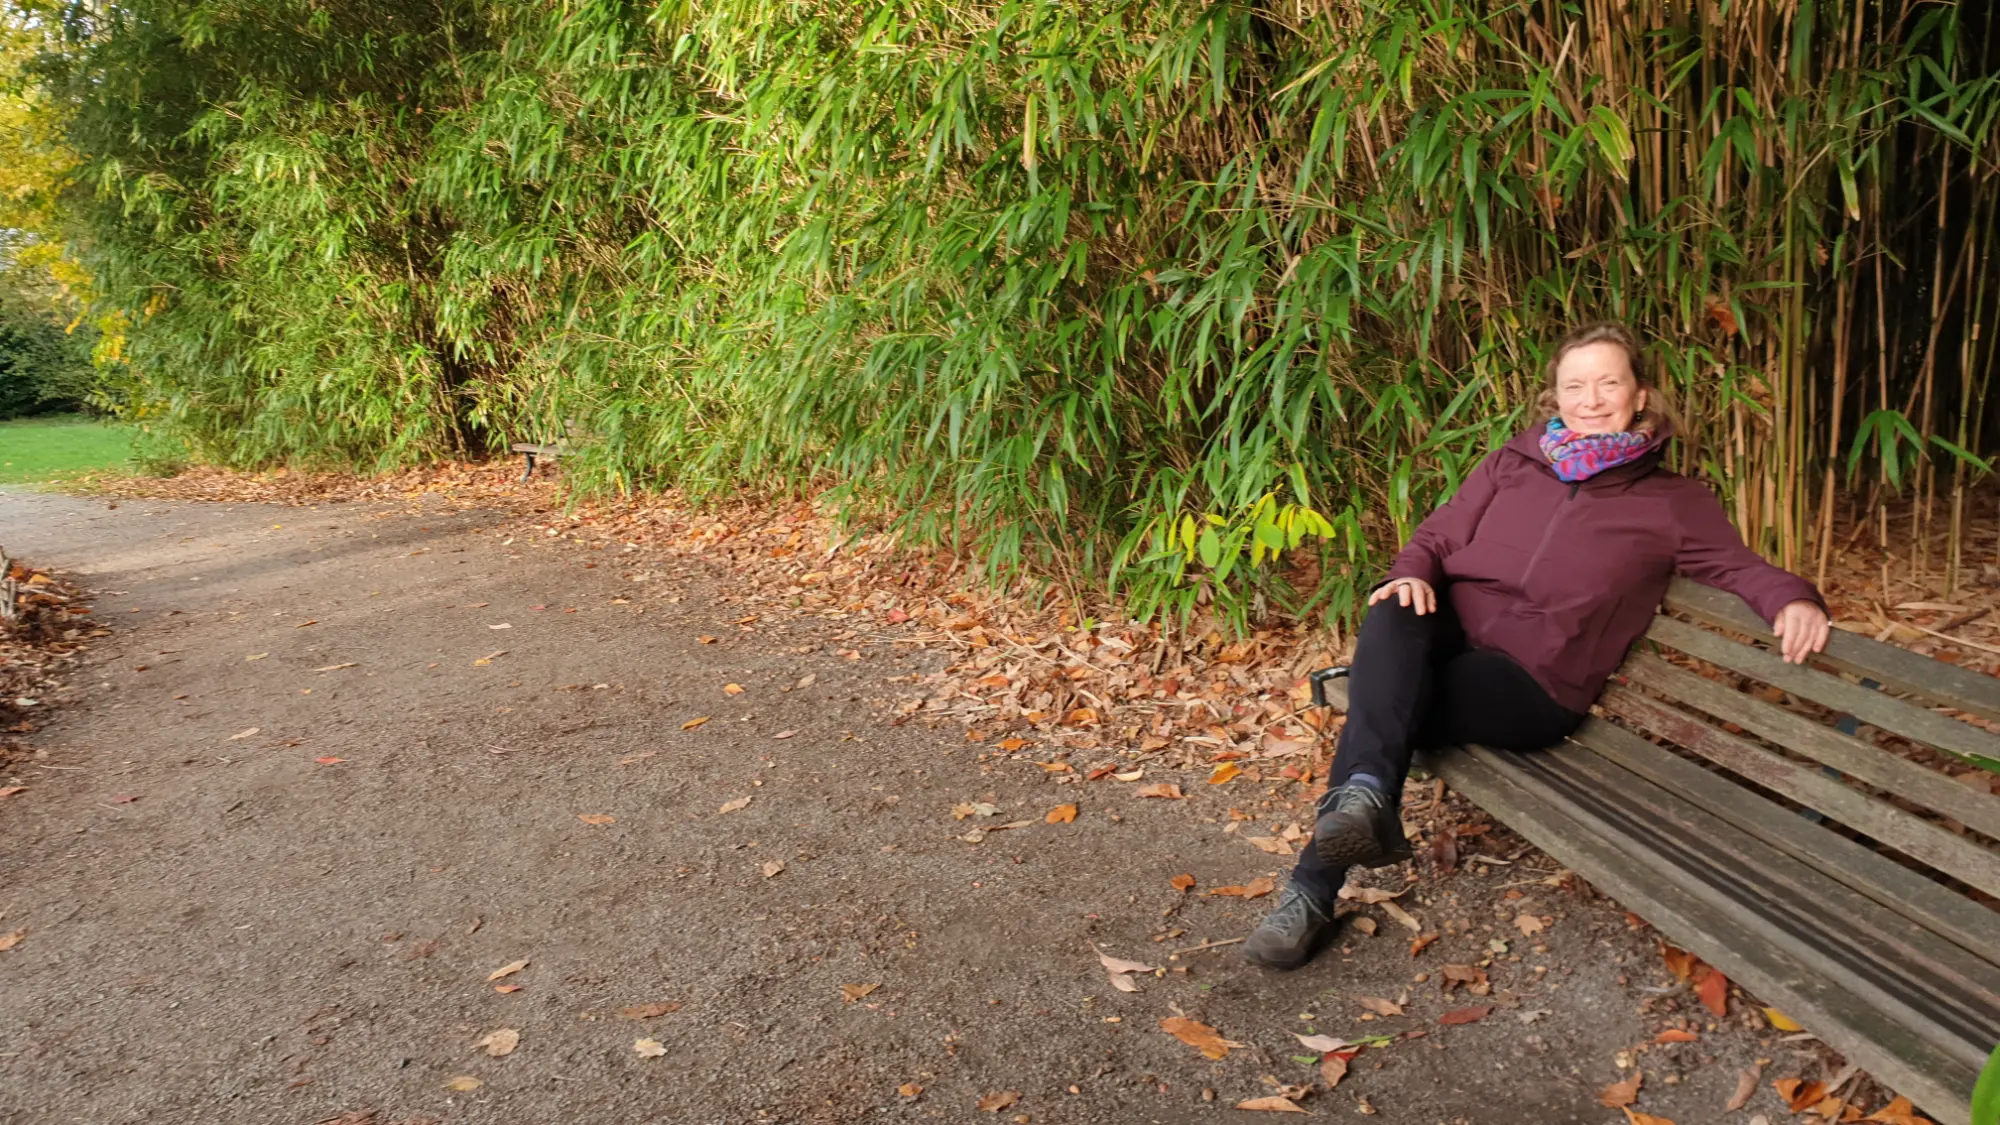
pixel 1201 303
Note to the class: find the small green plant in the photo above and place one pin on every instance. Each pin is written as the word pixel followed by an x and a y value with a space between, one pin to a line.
pixel 1986 1095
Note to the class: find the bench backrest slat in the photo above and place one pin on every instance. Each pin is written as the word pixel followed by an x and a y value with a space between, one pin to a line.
pixel 1977 810
pixel 1869 706
pixel 1897 669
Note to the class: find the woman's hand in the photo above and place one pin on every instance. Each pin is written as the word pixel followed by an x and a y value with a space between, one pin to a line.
pixel 1413 592
pixel 1802 629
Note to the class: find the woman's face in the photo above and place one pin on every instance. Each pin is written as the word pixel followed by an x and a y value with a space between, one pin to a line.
pixel 1596 392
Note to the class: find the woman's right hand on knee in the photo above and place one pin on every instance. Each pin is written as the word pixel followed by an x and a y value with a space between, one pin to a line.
pixel 1412 592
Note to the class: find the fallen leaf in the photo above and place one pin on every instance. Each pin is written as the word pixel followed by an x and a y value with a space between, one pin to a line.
pixel 1012 744
pixel 974 836
pixel 1332 1068
pixel 1746 1085
pixel 1408 921
pixel 909 1089
pixel 338 667
pixel 242 734
pixel 706 639
pixel 1269 844
pixel 1620 1094
pixel 502 625
pixel 1166 790
pixel 257 656
pixel 974 808
pixel 785 734
pixel 735 805
pixel 10 790
pixel 1677 1035
pixel 1466 1015
pixel 1129 775
pixel 1713 989
pixel 1370 895
pixel 597 818
pixel 1322 1043
pixel 693 723
pixel 1781 1021
pixel 491 657
pixel 1223 773
pixel 853 992
pixel 1898 1112
pixel 1115 965
pixel 1679 961
pixel 499 1043
pixel 508 970
pixel 994 1103
pixel 1421 942
pixel 1061 814
pixel 772 867
pixel 1528 924
pixel 648 1011
pixel 1381 1007
pixel 1271 1104
pixel 1198 1035
pixel 649 1048
pixel 1255 888
pixel 1183 883
pixel 505 989
pixel 1799 1095
pixel 464 1083
pixel 1632 1118
pixel 10 940
pixel 732 689
pixel 329 761
pixel 1123 983
pixel 1365 925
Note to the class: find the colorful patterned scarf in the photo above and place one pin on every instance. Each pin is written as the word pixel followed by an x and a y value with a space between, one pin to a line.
pixel 1578 457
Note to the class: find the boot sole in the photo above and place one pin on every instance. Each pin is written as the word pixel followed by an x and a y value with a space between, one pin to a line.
pixel 1351 842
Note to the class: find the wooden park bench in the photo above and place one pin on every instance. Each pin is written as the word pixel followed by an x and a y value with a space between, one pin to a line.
pixel 1750 849
pixel 561 447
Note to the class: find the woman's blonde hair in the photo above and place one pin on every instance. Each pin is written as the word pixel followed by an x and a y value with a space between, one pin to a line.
pixel 1659 409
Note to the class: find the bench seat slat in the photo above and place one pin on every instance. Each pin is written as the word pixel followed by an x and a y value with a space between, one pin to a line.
pixel 1898 669
pixel 1906 779
pixel 1913 836
pixel 1865 704
pixel 1909 1062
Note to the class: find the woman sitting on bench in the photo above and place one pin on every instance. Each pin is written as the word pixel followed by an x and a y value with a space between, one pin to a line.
pixel 1551 559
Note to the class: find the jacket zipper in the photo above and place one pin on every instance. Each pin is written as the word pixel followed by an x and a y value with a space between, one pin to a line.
pixel 1547 534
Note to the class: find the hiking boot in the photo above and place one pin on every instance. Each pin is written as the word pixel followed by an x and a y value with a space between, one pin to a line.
pixel 1358 826
pixel 1291 933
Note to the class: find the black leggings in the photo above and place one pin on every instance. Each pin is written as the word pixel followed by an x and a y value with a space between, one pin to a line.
pixel 1415 684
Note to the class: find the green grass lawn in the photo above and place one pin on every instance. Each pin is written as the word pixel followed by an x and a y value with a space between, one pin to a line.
pixel 52 447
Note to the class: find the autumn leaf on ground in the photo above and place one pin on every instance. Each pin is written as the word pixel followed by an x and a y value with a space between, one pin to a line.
pixel 1255 888
pixel 506 989
pixel 1223 773
pixel 994 1103
pixel 1182 883
pixel 785 734
pixel 772 867
pixel 242 734
pixel 1799 1095
pixel 1012 744
pixel 648 1011
pixel 1746 1085
pixel 1679 961
pixel 1323 1044
pixel 1466 1015
pixel 1166 790
pixel 10 790
pixel 693 723
pixel 1713 988
pixel 1898 1112
pixel 1380 1006
pixel 1198 1035
pixel 1061 814
pixel 1271 1104
pixel 597 819
pixel 1408 921
pixel 1620 1094
pixel 853 992
pixel 1366 925
pixel 1677 1035
pixel 1778 1019
pixel 1528 924
pixel 508 970
pixel 649 1048
pixel 1632 1118
pixel 736 805
pixel 1370 895
pixel 490 657
pixel 909 1089
pixel 706 639
pixel 732 689
pixel 464 1083
pixel 10 940
pixel 499 1043
pixel 1269 844
pixel 964 809
pixel 1421 942
pixel 329 761
pixel 1333 1068
pixel 1117 969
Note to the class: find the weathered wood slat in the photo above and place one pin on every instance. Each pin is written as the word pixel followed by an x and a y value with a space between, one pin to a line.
pixel 1898 669
pixel 1927 787
pixel 1951 916
pixel 1892 1053
pixel 1865 704
pixel 1913 836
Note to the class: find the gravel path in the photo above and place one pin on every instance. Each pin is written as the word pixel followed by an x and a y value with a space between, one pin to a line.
pixel 301 805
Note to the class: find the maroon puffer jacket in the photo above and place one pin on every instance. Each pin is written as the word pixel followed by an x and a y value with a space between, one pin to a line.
pixel 1564 577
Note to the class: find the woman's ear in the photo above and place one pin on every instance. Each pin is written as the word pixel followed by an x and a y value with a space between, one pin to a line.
pixel 1639 404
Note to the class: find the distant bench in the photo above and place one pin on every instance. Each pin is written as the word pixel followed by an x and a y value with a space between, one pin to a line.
pixel 1751 865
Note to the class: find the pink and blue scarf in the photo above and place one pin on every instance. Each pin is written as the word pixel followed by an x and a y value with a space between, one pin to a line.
pixel 1578 457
